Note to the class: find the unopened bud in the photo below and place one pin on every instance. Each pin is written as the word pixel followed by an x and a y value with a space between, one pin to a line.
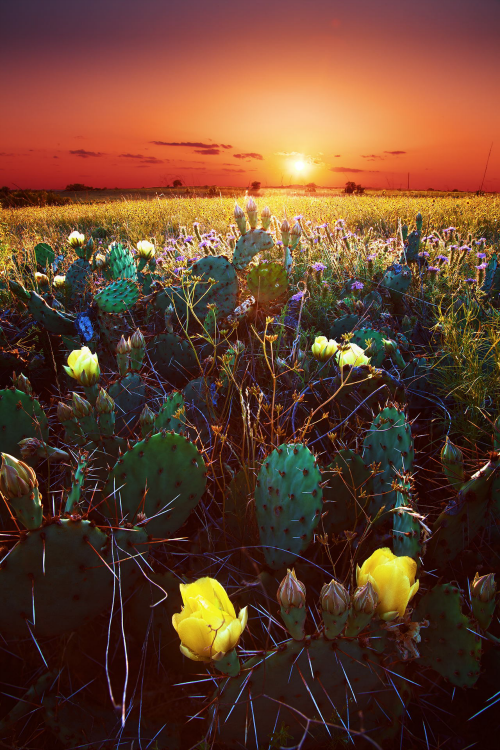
pixel 484 587
pixel 22 383
pixel 419 221
pixel 124 346
pixel 365 599
pixel 252 212
pixel 41 279
pixel 390 346
pixel 104 403
pixel 265 216
pixel 64 412
pixel 81 407
pixel 291 592
pixel 16 478
pixel 295 234
pixel 452 461
pixel 240 218
pixel 137 340
pixel 146 421
pixel 100 260
pixel 29 447
pixel 334 598
pixel 285 233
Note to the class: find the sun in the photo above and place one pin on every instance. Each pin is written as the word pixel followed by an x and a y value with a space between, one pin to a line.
pixel 299 166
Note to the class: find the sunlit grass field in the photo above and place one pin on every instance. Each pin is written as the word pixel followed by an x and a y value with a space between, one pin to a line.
pixel 133 220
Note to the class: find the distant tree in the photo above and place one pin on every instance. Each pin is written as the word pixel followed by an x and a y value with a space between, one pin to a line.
pixel 350 187
pixel 76 186
pixel 255 185
pixel 359 190
pixel 177 183
pixel 212 191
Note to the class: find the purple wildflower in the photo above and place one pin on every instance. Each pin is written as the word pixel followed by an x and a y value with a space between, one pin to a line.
pixel 481 255
pixel 318 267
pixel 370 258
pixel 482 267
pixel 423 255
pixel 357 285
pixel 180 258
pixel 470 281
pixel 443 258
pixel 433 269
pixel 297 297
pixel 465 249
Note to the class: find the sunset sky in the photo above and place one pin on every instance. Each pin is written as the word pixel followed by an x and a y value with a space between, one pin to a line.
pixel 133 93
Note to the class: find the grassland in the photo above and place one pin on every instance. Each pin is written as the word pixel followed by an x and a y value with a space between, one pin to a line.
pixel 133 220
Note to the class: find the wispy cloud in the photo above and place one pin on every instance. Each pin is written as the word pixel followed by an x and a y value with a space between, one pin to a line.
pixel 4 153
pixel 85 154
pixel 337 156
pixel 249 155
pixel 143 159
pixel 372 157
pixel 395 153
pixel 190 144
pixel 351 169
pixel 234 170
pixel 207 151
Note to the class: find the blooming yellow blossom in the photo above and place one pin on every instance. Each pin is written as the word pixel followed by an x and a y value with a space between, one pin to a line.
pixel 76 239
pixel 393 578
pixel 83 366
pixel 323 349
pixel 145 249
pixel 207 626
pixel 352 354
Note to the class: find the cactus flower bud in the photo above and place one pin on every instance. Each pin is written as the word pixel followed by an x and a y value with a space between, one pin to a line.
pixel 83 366
pixel 104 403
pixel 265 216
pixel 292 598
pixel 240 218
pixel 452 461
pixel 76 239
pixel 145 250
pixel 365 599
pixel 285 233
pixel 291 592
pixel 335 604
pixel 323 349
pixel 146 421
pixel 124 346
pixel 137 340
pixel 19 485
pixel 295 234
pixel 22 383
pixel 81 407
pixel 100 260
pixel 252 212
pixel 483 598
pixel 35 449
pixel 64 412
pixel 419 221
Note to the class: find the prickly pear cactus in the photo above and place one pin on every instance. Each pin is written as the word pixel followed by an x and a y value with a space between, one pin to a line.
pixel 406 529
pixel 388 449
pixel 249 244
pixel 288 503
pixel 21 416
pixel 344 324
pixel 448 644
pixel 118 296
pixel 55 580
pixel 267 282
pixel 171 416
pixel 173 358
pixel 397 280
pixel 54 320
pixel 78 277
pixel 347 492
pixel 162 477
pixel 120 263
pixel 129 395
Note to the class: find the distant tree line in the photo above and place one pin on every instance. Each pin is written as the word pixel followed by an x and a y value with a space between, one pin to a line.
pixel 24 198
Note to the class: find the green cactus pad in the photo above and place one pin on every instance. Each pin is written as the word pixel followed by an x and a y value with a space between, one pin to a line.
pixel 173 358
pixel 348 490
pixel 64 566
pixel 316 678
pixel 361 338
pixel 249 244
pixel 117 297
pixel 165 419
pixel 342 325
pixel 78 276
pixel 462 519
pixel 397 280
pixel 162 476
pixel 53 320
pixel 448 645
pixel 389 443
pixel 223 294
pixel 267 282
pixel 406 530
pixel 21 416
pixel 44 254
pixel 120 263
pixel 288 502
pixel 129 395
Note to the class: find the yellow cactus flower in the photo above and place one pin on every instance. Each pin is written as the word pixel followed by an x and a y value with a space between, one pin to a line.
pixel 207 626
pixel 352 354
pixel 393 578
pixel 59 282
pixel 83 366
pixel 76 239
pixel 145 249
pixel 323 349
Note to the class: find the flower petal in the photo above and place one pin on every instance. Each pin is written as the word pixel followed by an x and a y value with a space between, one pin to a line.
pixel 227 637
pixel 196 635
pixel 380 556
pixel 393 588
pixel 408 566
pixel 243 617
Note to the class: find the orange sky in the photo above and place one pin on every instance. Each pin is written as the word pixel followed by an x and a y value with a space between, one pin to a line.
pixel 90 88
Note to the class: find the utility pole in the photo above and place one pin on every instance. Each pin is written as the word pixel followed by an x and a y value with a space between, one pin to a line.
pixel 408 182
pixel 486 167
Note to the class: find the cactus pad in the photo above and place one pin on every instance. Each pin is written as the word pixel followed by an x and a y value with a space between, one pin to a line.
pixel 21 416
pixel 117 297
pixel 288 501
pixel 162 477
pixel 267 282
pixel 249 244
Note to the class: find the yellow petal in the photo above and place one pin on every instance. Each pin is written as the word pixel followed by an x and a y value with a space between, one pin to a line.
pixel 227 637
pixel 69 371
pixel 73 357
pixel 414 590
pixel 191 655
pixel 380 556
pixel 197 636
pixel 393 588
pixel 408 566
pixel 221 595
pixel 243 617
